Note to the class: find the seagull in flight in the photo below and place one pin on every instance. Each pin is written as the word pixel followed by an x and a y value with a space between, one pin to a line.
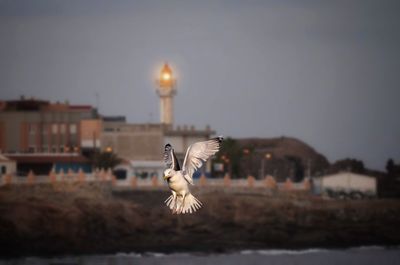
pixel 181 200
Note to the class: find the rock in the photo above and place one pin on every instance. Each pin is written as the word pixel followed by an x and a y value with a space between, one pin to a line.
pixel 88 219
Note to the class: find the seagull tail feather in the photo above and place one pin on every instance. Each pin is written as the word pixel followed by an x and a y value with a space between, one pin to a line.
pixel 170 202
pixel 191 204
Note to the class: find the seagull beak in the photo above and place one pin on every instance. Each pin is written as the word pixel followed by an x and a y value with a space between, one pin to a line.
pixel 165 177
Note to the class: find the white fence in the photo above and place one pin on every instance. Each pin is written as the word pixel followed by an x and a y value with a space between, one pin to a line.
pixel 154 182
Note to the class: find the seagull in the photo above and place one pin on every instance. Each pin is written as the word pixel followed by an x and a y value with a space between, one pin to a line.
pixel 181 200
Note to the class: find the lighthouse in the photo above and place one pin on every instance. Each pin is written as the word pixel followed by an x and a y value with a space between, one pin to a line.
pixel 166 89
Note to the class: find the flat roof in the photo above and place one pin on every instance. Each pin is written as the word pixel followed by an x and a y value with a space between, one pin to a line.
pixel 48 158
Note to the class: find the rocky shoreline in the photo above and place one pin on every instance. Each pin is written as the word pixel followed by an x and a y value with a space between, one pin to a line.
pixel 72 219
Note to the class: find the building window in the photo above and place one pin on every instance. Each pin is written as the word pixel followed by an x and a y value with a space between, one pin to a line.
pixel 54 149
pixel 62 149
pixel 31 128
pixel 3 170
pixel 31 149
pixel 45 127
pixel 72 128
pixel 45 149
pixel 76 149
pixel 54 128
pixel 62 128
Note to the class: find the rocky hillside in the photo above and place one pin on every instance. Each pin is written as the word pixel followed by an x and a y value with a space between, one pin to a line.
pixel 289 157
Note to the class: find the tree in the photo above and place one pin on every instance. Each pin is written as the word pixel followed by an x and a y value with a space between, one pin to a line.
pixel 348 164
pixel 390 166
pixel 105 160
pixel 297 166
pixel 230 154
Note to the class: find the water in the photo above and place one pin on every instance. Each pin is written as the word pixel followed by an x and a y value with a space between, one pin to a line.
pixel 354 256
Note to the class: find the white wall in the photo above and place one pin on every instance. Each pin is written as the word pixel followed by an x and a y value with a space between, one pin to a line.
pixel 349 181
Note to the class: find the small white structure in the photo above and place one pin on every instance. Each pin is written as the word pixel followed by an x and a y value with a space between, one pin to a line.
pixel 140 169
pixel 347 183
pixel 7 166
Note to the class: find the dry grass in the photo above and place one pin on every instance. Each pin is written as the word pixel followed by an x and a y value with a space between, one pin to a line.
pixel 58 193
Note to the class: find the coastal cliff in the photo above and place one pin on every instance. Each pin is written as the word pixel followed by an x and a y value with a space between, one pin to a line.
pixel 45 220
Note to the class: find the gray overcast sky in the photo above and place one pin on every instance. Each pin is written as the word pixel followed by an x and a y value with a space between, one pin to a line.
pixel 326 72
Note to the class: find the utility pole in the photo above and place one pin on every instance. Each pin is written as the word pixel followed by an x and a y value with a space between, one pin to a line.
pixel 309 168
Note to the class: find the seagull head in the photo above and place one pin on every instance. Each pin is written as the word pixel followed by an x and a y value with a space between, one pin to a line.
pixel 168 173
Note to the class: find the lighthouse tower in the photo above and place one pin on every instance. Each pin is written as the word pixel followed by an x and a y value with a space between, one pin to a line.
pixel 166 89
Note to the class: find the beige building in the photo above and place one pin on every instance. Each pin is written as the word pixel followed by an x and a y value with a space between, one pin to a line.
pixel 38 126
pixel 141 146
pixel 39 135
pixel 7 166
pixel 133 141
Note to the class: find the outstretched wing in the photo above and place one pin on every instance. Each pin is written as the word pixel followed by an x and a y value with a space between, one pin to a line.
pixel 198 153
pixel 170 159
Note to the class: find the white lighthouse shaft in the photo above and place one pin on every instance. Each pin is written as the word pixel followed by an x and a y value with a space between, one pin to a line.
pixel 166 109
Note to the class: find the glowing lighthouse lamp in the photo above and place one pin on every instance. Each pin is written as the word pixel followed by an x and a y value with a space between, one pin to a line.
pixel 166 89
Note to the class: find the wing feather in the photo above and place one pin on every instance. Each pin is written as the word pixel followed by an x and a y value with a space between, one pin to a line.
pixel 170 159
pixel 198 153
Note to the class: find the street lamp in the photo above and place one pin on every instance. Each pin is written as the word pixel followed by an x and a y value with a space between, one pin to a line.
pixel 267 156
pixel 109 149
pixel 70 150
pixel 227 161
pixel 246 153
